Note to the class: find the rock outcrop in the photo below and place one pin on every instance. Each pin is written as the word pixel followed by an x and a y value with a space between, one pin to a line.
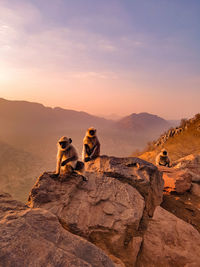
pixel 166 136
pixel 117 210
pixel 195 189
pixel 111 210
pixel 168 242
pixel 176 180
pixel 191 164
pixel 140 174
pixel 34 237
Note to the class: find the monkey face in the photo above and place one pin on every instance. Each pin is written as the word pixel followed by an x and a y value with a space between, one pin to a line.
pixel 92 132
pixel 164 153
pixel 64 142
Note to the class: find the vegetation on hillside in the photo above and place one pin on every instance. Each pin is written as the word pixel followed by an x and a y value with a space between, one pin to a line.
pixel 185 142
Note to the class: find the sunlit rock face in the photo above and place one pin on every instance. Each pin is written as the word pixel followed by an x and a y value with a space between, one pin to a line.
pixel 71 222
pixel 111 209
pixel 34 237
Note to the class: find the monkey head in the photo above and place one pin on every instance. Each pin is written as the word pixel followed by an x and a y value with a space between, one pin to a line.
pixel 64 142
pixel 91 132
pixel 164 152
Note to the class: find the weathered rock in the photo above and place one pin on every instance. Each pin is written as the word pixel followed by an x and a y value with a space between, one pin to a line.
pixel 192 164
pixel 179 181
pixel 183 181
pixel 195 176
pixel 140 174
pixel 103 210
pixel 111 209
pixel 168 242
pixel 195 189
pixel 34 237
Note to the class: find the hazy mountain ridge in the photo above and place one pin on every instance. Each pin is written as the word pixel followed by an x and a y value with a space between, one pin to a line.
pixel 24 123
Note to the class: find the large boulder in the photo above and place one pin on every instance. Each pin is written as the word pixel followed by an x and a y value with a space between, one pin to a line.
pixel 168 242
pixel 34 237
pixel 140 174
pixel 111 209
pixel 103 210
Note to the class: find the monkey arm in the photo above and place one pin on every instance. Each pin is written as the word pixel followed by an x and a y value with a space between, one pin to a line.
pixel 83 152
pixel 69 159
pixel 169 162
pixel 158 159
pixel 95 151
pixel 59 159
pixel 86 152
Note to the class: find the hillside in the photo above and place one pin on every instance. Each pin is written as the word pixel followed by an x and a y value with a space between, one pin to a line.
pixel 179 142
pixel 18 170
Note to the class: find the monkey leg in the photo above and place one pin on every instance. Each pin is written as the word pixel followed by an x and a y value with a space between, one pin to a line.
pixel 94 157
pixel 79 166
pixel 68 169
pixel 87 159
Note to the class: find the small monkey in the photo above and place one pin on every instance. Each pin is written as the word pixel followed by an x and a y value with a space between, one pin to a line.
pixel 162 158
pixel 91 145
pixel 67 158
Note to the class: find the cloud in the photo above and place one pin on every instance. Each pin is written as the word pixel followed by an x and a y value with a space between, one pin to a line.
pixel 27 40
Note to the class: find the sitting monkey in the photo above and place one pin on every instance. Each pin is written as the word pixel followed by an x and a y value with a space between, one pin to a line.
pixel 91 145
pixel 162 158
pixel 67 158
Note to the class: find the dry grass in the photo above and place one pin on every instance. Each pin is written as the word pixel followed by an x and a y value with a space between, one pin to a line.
pixel 178 146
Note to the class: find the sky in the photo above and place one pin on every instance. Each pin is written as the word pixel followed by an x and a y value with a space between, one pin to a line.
pixel 103 56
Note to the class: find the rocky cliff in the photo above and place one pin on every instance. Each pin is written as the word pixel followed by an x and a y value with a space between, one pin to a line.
pixel 118 210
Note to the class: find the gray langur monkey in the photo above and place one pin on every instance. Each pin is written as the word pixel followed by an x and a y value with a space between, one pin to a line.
pixel 162 159
pixel 91 145
pixel 67 158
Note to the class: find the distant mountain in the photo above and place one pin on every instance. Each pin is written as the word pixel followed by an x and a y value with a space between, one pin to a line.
pixel 36 128
pixel 143 122
pixel 27 116
pixel 113 117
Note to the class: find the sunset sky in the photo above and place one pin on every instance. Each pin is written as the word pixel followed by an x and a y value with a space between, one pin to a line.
pixel 102 56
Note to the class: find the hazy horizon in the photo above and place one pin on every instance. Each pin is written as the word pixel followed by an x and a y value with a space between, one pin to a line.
pixel 110 116
pixel 102 57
